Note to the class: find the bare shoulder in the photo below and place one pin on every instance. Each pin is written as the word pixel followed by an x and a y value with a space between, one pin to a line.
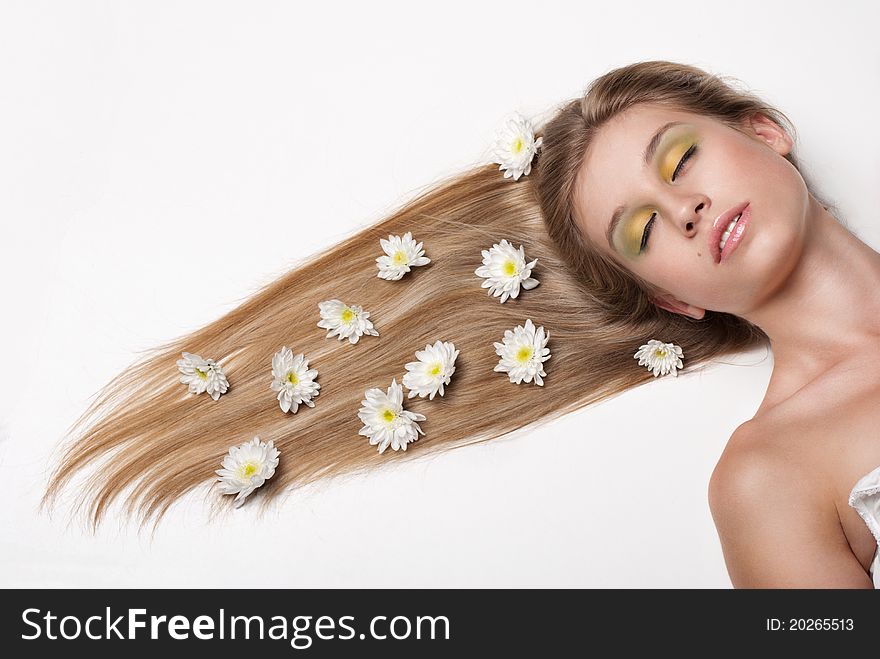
pixel 748 466
pixel 777 529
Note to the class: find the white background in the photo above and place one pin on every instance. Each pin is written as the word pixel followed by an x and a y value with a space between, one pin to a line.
pixel 161 160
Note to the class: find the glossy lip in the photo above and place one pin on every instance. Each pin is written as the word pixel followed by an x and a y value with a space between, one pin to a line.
pixel 720 225
pixel 735 237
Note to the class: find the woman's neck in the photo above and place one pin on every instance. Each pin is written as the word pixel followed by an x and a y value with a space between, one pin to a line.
pixel 827 311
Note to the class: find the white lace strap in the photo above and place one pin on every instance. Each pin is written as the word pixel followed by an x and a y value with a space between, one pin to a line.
pixel 865 498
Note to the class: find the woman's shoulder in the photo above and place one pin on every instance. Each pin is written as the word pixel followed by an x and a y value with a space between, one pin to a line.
pixel 788 471
pixel 755 463
pixel 776 517
pixel 769 463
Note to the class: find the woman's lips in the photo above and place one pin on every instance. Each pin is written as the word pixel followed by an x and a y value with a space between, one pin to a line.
pixel 718 227
pixel 736 235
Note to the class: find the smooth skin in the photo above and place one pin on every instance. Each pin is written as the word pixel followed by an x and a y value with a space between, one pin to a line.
pixel 778 494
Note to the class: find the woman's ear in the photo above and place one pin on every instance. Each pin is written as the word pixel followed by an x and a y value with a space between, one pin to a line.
pixel 673 304
pixel 771 133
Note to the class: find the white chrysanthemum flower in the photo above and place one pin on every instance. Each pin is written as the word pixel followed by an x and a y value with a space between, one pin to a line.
pixel 247 467
pixel 401 254
pixel 505 270
pixel 662 358
pixel 349 321
pixel 523 353
pixel 515 146
pixel 202 375
pixel 293 380
pixel 435 367
pixel 385 421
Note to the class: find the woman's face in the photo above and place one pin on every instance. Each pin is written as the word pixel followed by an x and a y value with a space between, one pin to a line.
pixel 700 169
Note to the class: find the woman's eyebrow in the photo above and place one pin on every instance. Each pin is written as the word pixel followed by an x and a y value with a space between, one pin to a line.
pixel 650 150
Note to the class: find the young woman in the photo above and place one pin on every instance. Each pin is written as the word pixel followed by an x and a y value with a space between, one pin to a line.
pixel 780 493
pixel 664 204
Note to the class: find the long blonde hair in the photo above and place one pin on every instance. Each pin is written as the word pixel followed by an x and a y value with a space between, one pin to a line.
pixel 153 442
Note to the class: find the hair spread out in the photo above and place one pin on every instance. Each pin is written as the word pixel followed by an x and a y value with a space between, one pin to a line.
pixel 154 442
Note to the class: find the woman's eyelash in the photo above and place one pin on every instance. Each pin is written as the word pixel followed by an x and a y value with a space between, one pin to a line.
pixel 647 232
pixel 650 223
pixel 684 159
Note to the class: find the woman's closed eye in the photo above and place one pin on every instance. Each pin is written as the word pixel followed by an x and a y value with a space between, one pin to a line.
pixel 687 155
pixel 684 159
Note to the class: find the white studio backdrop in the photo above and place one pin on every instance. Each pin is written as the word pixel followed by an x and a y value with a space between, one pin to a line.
pixel 159 161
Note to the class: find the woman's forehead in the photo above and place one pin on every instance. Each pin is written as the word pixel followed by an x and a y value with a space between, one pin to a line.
pixel 627 136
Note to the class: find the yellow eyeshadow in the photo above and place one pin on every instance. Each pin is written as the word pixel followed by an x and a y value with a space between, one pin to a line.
pixel 673 155
pixel 630 232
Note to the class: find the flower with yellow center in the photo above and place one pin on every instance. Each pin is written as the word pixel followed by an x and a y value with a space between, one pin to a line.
pixel 293 380
pixel 433 370
pixel 202 375
pixel 523 352
pixel 385 421
pixel 348 321
pixel 515 146
pixel 247 467
pixel 401 255
pixel 505 270
pixel 659 357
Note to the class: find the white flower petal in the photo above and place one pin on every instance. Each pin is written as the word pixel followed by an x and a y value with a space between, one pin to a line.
pixel 385 421
pixel 201 375
pixel 659 357
pixel 515 146
pixel 348 321
pixel 523 352
pixel 432 371
pixel 505 269
pixel 401 255
pixel 247 467
pixel 293 380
